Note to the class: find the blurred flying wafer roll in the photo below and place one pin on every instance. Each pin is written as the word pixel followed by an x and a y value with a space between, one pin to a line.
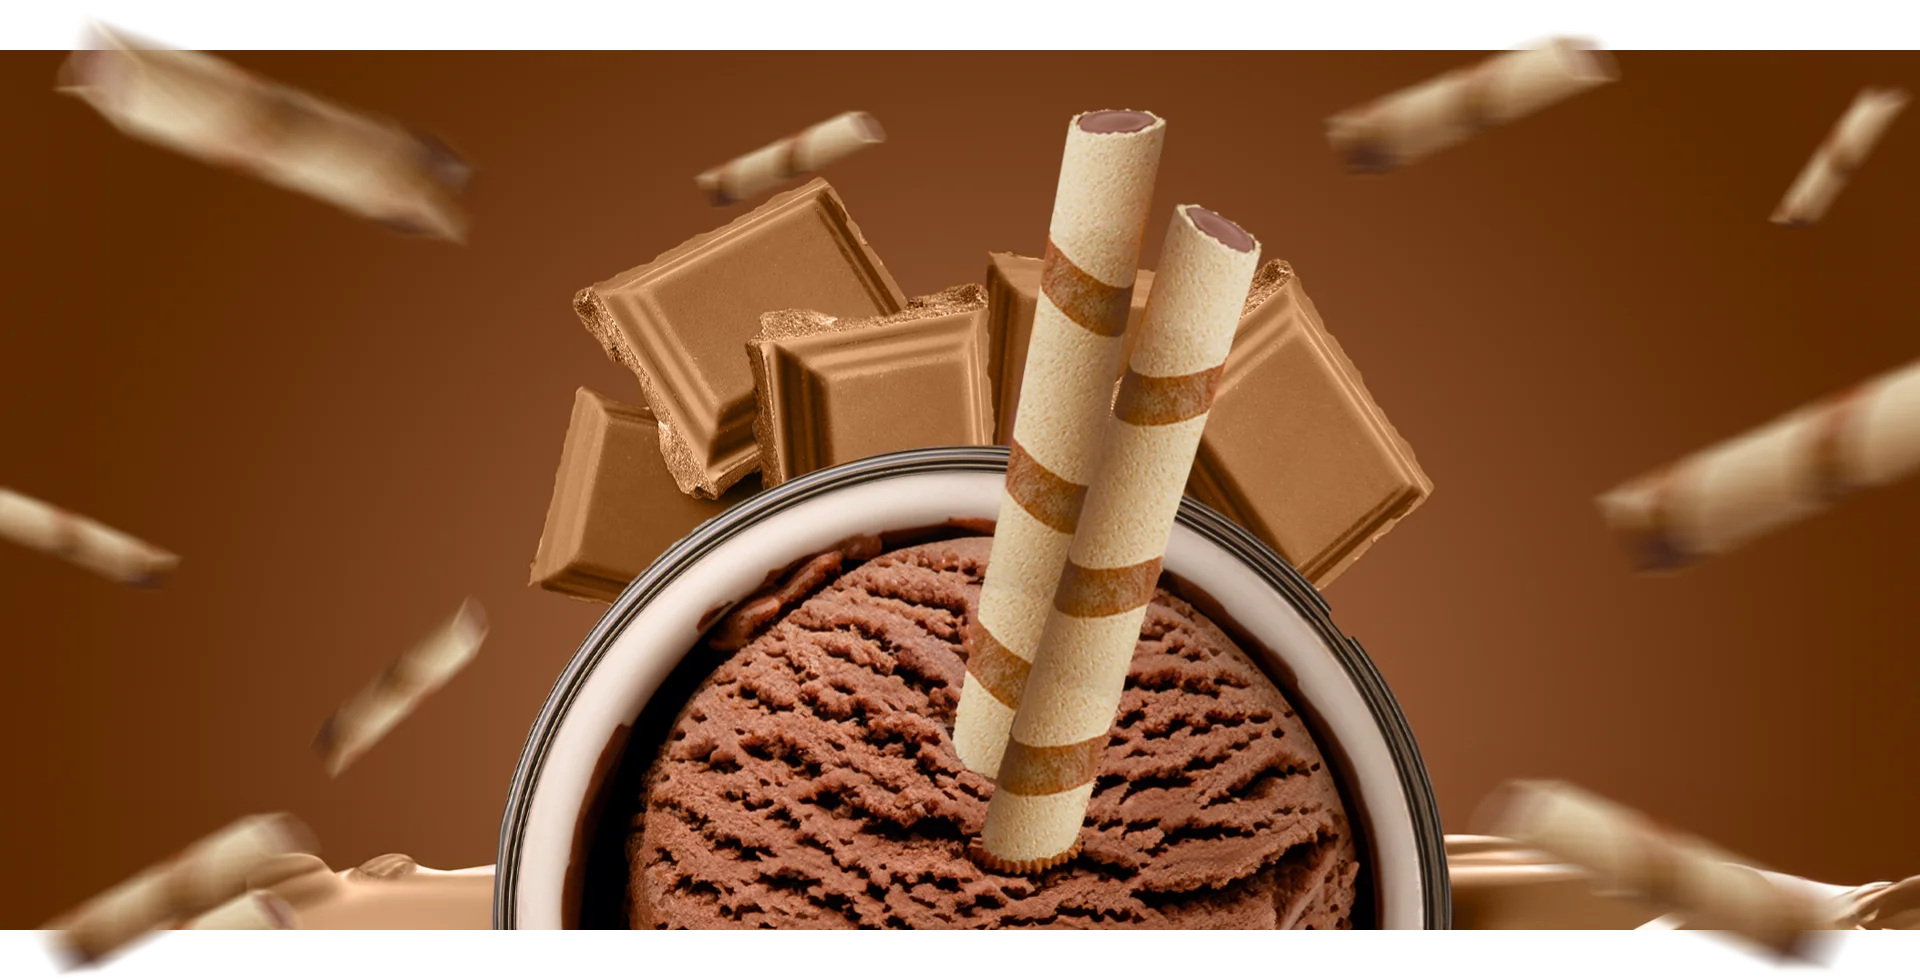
pixel 805 152
pixel 1079 322
pixel 204 877
pixel 1728 494
pixel 208 109
pixel 393 695
pixel 1060 732
pixel 1668 871
pixel 82 541
pixel 1844 150
pixel 1423 119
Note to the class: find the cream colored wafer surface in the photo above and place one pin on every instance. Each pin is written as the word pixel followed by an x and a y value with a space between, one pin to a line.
pixel 1664 869
pixel 1426 118
pixel 1099 218
pixel 805 152
pixel 1715 500
pixel 83 541
pixel 206 108
pixel 1079 673
pixel 205 876
pixel 254 910
pixel 1842 153
pixel 186 101
pixel 370 715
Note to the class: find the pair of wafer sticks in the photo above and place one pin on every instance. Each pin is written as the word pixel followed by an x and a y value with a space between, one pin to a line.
pixel 85 542
pixel 211 874
pixel 783 159
pixel 1662 868
pixel 1093 483
pixel 1726 495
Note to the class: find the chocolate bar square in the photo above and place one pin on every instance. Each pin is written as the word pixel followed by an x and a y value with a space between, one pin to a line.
pixel 678 322
pixel 615 509
pixel 835 390
pixel 1295 450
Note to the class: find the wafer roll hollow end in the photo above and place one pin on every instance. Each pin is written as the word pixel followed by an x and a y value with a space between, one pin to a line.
pixel 1585 59
pixel 1639 513
pixel 866 128
pixel 471 620
pixel 1359 147
pixel 709 183
pixel 1108 122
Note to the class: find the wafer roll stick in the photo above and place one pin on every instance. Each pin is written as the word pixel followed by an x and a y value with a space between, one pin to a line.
pixel 393 695
pixel 1666 870
pixel 805 152
pixel 1079 323
pixel 1844 150
pixel 1726 495
pixel 1060 732
pixel 200 879
pixel 1415 122
pixel 208 109
pixel 84 542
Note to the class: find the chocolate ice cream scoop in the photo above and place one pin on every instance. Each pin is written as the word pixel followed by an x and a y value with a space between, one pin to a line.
pixel 811 781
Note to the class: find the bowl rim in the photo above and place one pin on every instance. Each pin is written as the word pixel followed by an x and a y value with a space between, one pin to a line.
pixel 1415 784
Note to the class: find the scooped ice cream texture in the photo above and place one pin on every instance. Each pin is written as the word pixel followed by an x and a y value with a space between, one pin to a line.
pixel 811 781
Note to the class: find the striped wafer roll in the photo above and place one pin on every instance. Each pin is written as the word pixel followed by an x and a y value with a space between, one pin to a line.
pixel 1844 150
pixel 1060 732
pixel 1661 868
pixel 205 876
pixel 1415 122
pixel 804 152
pixel 371 714
pixel 1726 495
pixel 84 542
pixel 1079 322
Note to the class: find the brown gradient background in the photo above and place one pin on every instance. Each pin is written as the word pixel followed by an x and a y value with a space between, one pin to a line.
pixel 343 431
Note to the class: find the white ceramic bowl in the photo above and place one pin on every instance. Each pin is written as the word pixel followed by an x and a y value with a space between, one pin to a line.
pixel 662 614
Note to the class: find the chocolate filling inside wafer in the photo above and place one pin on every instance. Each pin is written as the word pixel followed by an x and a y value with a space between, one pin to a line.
pixel 1116 121
pixel 1220 229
